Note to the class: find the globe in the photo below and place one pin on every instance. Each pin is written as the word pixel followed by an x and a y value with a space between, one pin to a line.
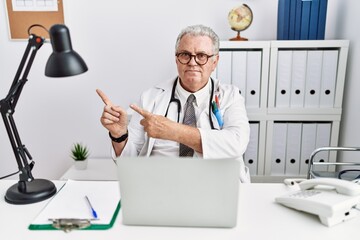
pixel 240 18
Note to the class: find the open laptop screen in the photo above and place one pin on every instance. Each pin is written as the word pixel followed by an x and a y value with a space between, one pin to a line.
pixel 172 191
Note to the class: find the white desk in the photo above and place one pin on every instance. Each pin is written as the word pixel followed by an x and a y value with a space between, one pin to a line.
pixel 259 218
pixel 97 169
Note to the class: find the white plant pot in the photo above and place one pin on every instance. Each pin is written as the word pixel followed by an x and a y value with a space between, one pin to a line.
pixel 81 165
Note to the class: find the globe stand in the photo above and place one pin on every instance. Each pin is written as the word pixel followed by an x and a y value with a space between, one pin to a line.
pixel 238 38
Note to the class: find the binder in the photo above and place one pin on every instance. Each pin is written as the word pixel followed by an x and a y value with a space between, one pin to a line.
pixel 293 146
pixel 298 79
pixel 308 140
pixel 328 78
pixel 253 79
pixel 305 19
pixel 322 19
pixel 283 20
pixel 251 154
pixel 323 134
pixel 313 78
pixel 278 149
pixel 314 19
pixel 283 81
pixel 298 11
pixel 239 63
pixel 70 202
pixel 292 19
pixel 224 67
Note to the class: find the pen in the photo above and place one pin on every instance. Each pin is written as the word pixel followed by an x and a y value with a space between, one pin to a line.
pixel 217 101
pixel 91 207
pixel 217 114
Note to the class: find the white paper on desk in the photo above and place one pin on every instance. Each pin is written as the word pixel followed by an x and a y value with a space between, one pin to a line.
pixel 70 201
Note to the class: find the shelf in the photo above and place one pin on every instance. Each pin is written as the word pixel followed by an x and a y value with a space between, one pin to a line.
pixel 237 67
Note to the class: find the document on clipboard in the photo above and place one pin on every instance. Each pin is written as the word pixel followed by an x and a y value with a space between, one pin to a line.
pixel 71 209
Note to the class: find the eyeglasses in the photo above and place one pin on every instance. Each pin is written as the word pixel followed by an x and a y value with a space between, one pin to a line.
pixel 349 174
pixel 200 58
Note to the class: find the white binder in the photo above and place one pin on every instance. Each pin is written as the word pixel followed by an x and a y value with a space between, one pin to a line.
pixel 328 78
pixel 283 80
pixel 298 79
pixel 251 154
pixel 252 98
pixel 323 134
pixel 308 145
pixel 292 162
pixel 313 78
pixel 278 149
pixel 239 68
pixel 224 67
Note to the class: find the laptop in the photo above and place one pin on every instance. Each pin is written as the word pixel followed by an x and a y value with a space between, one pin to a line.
pixel 181 192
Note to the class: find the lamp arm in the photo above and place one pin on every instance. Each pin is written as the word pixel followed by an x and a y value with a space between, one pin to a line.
pixel 8 104
pixel 34 44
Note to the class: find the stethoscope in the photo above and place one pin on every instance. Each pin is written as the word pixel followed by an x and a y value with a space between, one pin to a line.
pixel 178 103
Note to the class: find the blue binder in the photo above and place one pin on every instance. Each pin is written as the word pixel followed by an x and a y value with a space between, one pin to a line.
pixel 322 19
pixel 298 19
pixel 280 23
pixel 305 19
pixel 283 20
pixel 301 19
pixel 314 19
pixel 292 17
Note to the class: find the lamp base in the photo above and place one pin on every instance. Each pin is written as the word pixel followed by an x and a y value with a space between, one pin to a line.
pixel 30 192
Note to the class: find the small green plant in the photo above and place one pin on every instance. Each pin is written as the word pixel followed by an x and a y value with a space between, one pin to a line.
pixel 79 152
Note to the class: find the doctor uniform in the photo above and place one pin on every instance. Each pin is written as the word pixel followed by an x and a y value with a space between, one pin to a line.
pixel 227 141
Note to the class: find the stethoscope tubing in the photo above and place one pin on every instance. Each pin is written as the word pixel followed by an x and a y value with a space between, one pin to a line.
pixel 178 103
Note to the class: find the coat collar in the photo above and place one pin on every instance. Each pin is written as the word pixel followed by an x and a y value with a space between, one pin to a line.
pixel 167 85
pixel 161 102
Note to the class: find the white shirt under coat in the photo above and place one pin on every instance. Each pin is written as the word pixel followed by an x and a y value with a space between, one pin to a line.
pixel 170 148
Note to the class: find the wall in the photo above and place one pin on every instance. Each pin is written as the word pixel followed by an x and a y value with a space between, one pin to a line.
pixel 128 46
pixel 346 26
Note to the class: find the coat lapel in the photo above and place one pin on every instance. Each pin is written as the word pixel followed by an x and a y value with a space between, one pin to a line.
pixel 161 102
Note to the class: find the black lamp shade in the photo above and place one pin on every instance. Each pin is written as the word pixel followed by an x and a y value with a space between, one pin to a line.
pixel 64 61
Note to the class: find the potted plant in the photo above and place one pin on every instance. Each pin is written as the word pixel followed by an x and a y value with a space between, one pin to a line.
pixel 80 153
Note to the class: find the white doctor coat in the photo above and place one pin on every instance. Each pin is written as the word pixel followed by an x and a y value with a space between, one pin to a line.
pixel 230 141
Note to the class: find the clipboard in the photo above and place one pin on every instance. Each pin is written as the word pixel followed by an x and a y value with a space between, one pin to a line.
pixel 69 210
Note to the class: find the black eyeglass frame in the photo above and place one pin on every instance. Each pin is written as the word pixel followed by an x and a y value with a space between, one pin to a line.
pixel 193 56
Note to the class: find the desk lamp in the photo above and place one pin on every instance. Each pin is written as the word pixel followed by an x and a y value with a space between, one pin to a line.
pixel 62 62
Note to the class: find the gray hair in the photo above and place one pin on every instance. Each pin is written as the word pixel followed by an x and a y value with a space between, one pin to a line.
pixel 199 30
